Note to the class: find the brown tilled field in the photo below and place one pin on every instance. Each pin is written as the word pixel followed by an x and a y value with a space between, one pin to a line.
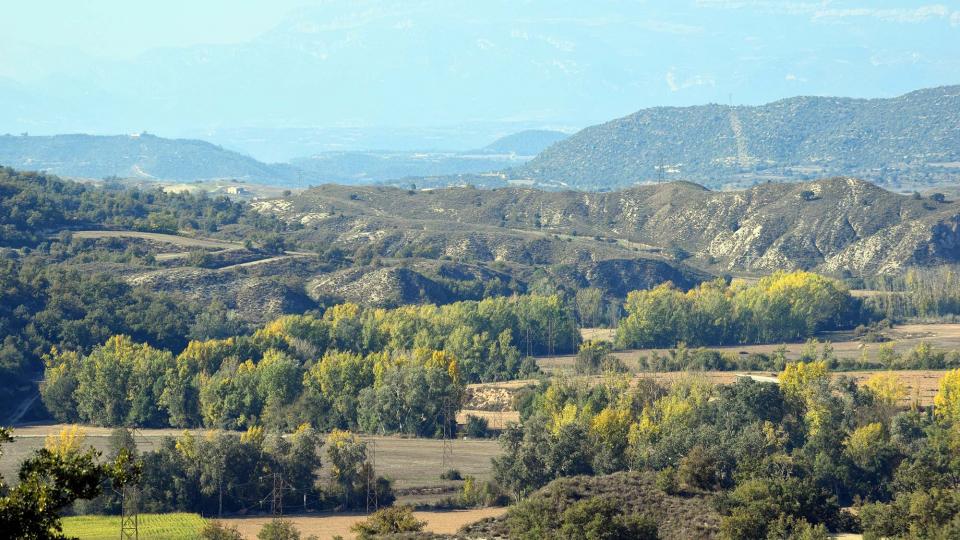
pixel 922 384
pixel 330 525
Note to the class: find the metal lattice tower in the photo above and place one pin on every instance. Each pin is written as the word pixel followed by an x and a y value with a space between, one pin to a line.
pixel 446 458
pixel 129 516
pixel 372 496
pixel 276 505
pixel 130 500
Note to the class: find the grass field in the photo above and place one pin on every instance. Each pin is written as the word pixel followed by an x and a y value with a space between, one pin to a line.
pixel 151 526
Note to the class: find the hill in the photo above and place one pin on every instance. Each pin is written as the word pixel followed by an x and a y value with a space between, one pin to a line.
pixel 905 142
pixel 677 516
pixel 141 156
pixel 525 143
pixel 838 225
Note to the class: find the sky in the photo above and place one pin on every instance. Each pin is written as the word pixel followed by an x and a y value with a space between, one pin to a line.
pixel 261 76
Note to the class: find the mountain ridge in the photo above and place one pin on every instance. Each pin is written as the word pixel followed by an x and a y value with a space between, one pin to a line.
pixel 904 141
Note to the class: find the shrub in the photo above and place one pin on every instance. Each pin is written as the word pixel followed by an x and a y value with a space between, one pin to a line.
pixel 477 428
pixel 601 517
pixel 480 493
pixel 391 520
pixel 451 474
pixel 217 530
pixel 279 529
pixel 667 481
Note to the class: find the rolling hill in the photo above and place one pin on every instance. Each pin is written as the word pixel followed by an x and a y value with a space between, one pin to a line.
pixel 141 156
pixel 837 225
pixel 905 142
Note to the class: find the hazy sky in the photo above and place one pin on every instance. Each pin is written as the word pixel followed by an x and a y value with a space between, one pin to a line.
pixel 210 66
pixel 125 28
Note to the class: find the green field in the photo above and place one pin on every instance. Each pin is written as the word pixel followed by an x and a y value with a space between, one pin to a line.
pixel 158 526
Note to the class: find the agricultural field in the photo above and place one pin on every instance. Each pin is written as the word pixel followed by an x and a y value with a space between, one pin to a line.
pixel 179 526
pixel 330 525
pixel 902 338
pixel 413 464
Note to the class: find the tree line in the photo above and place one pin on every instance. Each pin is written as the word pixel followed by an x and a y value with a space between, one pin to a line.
pixel 389 370
pixel 782 307
pixel 779 460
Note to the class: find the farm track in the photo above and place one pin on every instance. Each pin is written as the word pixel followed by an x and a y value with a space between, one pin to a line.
pixel 221 246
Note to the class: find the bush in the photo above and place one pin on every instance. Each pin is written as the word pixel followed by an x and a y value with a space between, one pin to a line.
pixel 601 517
pixel 596 357
pixel 451 474
pixel 667 481
pixel 217 530
pixel 279 529
pixel 391 520
pixel 476 494
pixel 698 469
pixel 477 428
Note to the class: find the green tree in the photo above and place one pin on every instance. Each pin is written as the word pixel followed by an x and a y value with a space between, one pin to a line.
pixel 49 482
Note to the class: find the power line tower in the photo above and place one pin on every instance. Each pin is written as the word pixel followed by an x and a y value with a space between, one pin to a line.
pixel 276 505
pixel 660 171
pixel 126 473
pixel 129 515
pixel 446 458
pixel 373 501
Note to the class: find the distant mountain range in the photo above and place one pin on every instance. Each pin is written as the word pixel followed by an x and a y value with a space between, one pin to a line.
pixel 149 157
pixel 141 156
pixel 905 142
pixel 385 166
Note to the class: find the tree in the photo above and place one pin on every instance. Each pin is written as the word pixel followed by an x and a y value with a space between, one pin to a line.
pixel 347 456
pixel 50 481
pixel 887 390
pixel 589 306
pixel 947 401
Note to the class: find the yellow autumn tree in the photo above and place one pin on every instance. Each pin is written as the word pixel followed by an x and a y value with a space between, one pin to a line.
pixel 805 384
pixel 946 404
pixel 68 440
pixel 887 389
